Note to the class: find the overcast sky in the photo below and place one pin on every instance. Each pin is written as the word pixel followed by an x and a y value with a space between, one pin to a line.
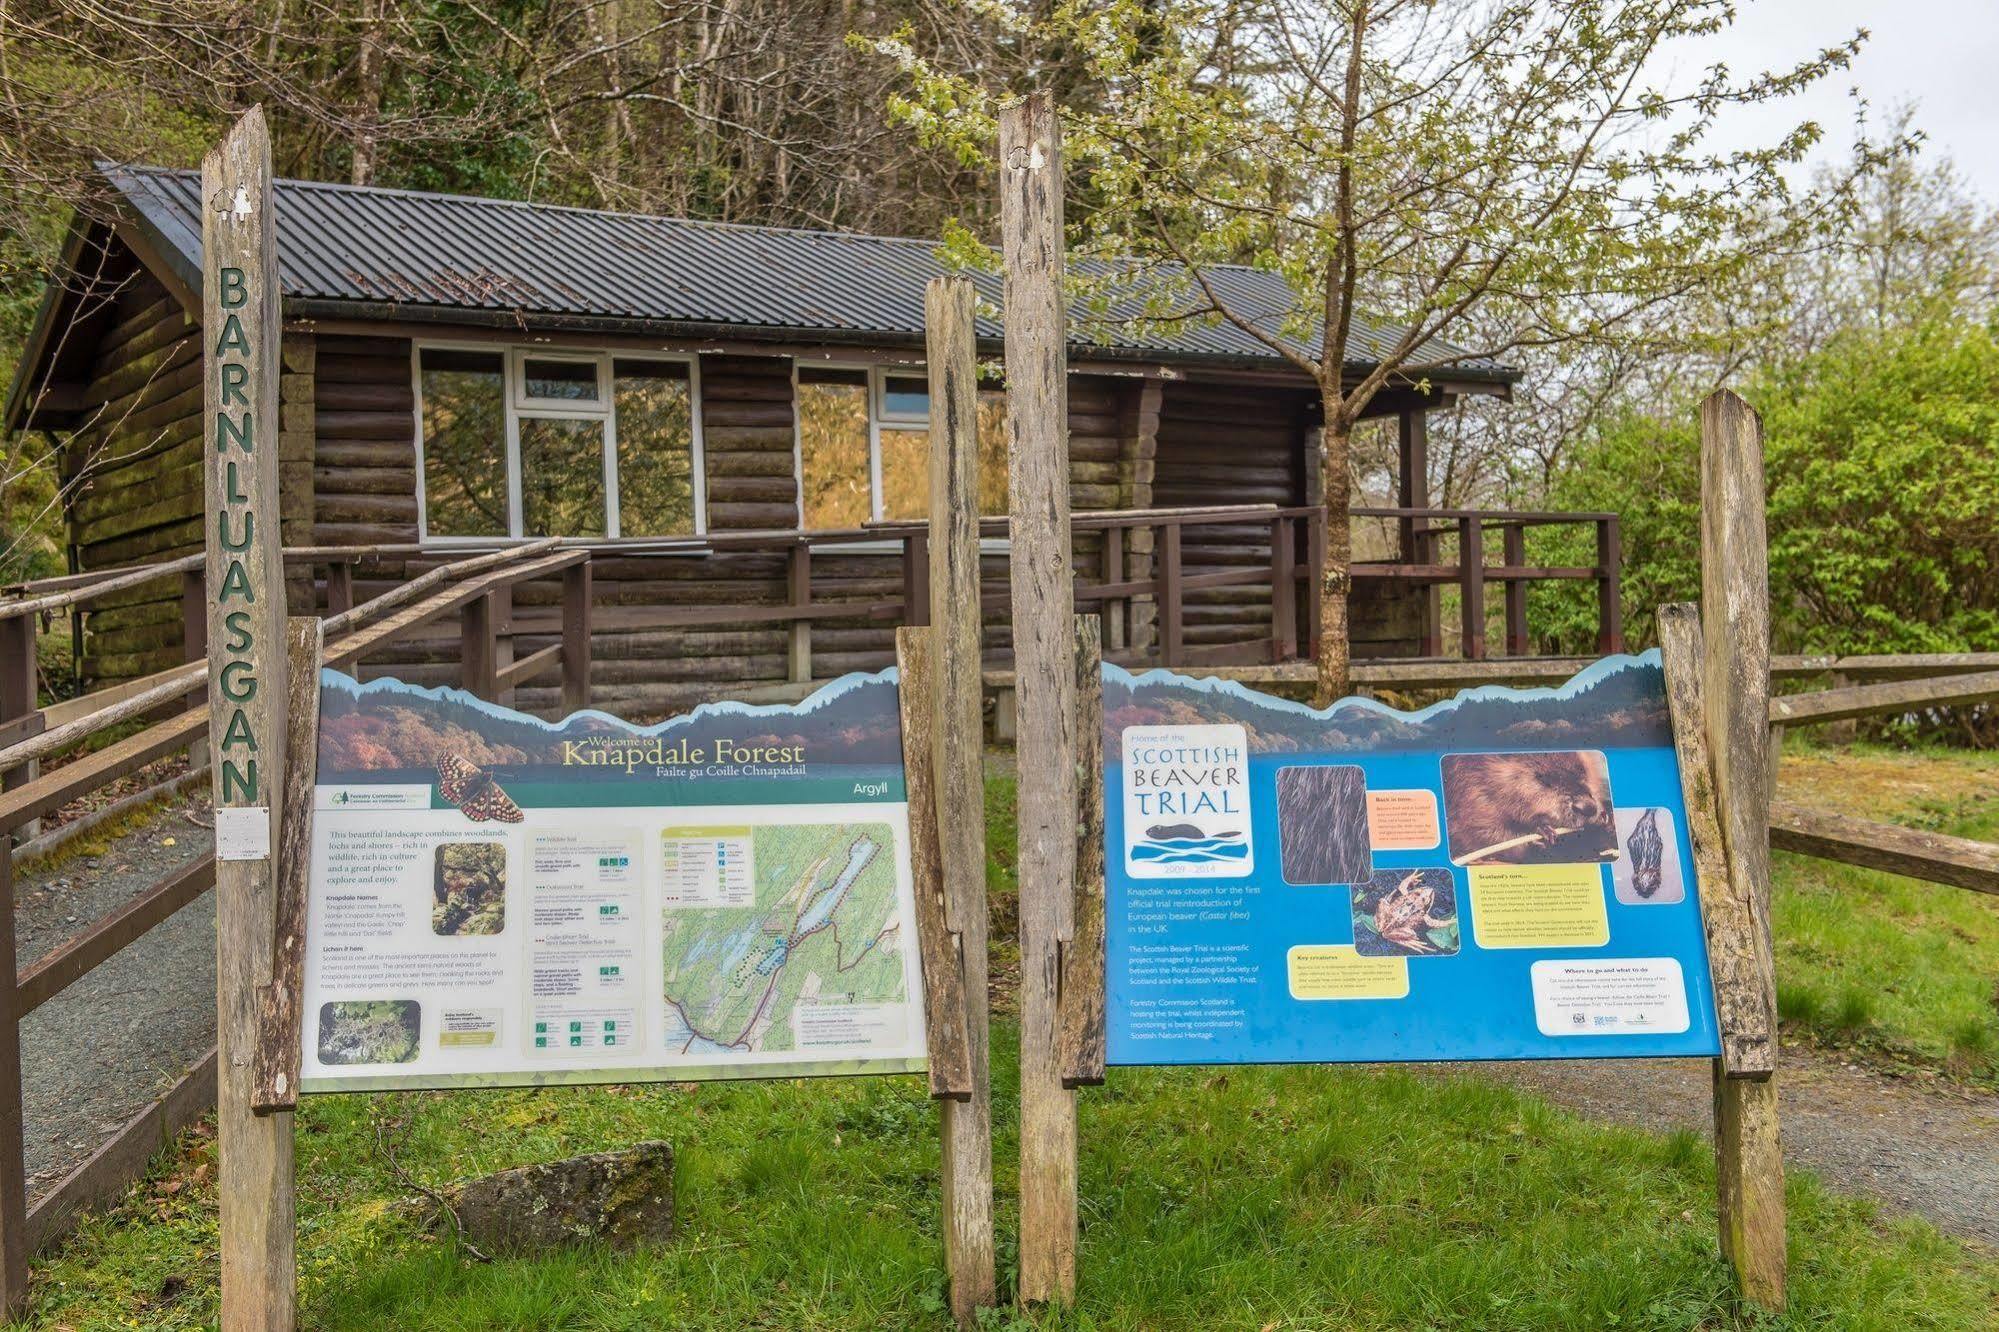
pixel 1942 55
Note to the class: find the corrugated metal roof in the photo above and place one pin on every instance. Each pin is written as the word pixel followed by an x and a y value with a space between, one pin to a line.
pixel 435 256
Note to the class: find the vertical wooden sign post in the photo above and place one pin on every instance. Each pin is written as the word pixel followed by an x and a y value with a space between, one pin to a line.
pixel 958 767
pixel 1717 668
pixel 1044 669
pixel 246 692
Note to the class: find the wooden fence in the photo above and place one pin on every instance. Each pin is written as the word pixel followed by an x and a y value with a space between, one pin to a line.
pixel 176 719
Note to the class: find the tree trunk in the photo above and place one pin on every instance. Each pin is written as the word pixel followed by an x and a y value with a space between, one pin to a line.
pixel 1336 578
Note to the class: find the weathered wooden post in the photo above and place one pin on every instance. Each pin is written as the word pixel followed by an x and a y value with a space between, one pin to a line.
pixel 958 762
pixel 1717 666
pixel 1044 647
pixel 246 621
pixel 1735 678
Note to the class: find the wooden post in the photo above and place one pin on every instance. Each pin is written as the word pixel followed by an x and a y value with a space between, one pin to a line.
pixel 479 646
pixel 1083 1035
pixel 1735 688
pixel 20 694
pixel 576 595
pixel 275 1081
pixel 13 1164
pixel 1044 669
pixel 958 762
pixel 246 624
pixel 799 581
pixel 937 950
pixel 1172 626
pixel 1283 591
pixel 916 579
pixel 1609 606
pixel 194 646
pixel 339 587
pixel 1315 558
pixel 1513 539
pixel 1115 612
pixel 1471 584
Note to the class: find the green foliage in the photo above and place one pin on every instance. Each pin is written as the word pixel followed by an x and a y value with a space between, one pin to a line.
pixel 1882 465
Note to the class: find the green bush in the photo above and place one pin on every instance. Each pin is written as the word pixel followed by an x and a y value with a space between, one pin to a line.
pixel 1882 466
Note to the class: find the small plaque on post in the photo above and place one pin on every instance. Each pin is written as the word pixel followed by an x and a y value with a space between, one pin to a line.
pixel 243 832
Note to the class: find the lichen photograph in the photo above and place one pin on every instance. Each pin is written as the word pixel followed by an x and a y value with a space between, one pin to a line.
pixel 369 1031
pixel 469 888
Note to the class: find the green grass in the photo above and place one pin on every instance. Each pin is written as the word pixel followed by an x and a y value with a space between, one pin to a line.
pixel 1300 1198
pixel 1888 967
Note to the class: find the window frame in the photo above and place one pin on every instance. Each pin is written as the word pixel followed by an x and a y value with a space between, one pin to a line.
pixel 878 374
pixel 518 407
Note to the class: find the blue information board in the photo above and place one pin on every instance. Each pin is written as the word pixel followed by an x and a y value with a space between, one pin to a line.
pixel 1503 875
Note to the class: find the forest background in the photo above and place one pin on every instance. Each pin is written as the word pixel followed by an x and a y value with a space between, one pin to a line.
pixel 1865 327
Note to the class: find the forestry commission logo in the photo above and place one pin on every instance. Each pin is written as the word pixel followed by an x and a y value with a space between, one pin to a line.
pixel 1186 802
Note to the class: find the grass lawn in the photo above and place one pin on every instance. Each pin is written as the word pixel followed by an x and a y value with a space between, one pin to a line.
pixel 1890 967
pixel 1256 1198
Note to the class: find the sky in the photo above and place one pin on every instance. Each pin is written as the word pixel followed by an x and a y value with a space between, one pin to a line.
pixel 1941 55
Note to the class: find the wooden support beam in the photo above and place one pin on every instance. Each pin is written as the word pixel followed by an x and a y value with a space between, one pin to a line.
pixel 1609 602
pixel 943 978
pixel 1044 662
pixel 1890 696
pixel 1283 589
pixel 577 594
pixel 68 963
pixel 1083 1035
pixel 339 587
pixel 1933 857
pixel 13 1164
pixel 246 636
pixel 1471 587
pixel 1514 540
pixel 798 584
pixel 274 1081
pixel 479 647
pixel 957 760
pixel 1735 698
pixel 536 663
pixel 1171 597
pixel 1745 1009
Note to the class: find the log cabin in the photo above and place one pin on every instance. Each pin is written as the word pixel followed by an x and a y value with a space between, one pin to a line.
pixel 733 417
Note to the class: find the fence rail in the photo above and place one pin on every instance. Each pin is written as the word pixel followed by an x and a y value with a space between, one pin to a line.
pixel 479 580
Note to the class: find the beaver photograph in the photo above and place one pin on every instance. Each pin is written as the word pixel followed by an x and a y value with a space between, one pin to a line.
pixel 1529 809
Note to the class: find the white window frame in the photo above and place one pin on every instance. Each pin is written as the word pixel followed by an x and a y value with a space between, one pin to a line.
pixel 519 407
pixel 879 417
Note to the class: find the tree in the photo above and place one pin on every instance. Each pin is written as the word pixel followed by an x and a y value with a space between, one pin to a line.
pixel 1493 176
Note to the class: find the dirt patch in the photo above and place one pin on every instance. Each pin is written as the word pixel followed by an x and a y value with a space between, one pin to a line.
pixel 1883 784
pixel 1918 1145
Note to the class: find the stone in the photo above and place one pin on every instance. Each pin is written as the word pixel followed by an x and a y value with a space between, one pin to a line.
pixel 622 1198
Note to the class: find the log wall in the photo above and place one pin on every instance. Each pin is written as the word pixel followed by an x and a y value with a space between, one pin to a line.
pixel 135 466
pixel 348 458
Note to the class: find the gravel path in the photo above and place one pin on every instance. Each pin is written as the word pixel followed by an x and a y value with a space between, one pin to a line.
pixel 94 1055
pixel 1924 1146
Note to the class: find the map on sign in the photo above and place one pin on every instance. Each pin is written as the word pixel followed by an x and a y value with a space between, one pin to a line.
pixel 497 899
pixel 811 950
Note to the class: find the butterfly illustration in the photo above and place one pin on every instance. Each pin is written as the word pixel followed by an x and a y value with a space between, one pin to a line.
pixel 474 791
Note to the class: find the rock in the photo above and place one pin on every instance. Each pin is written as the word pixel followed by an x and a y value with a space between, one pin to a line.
pixel 622 1198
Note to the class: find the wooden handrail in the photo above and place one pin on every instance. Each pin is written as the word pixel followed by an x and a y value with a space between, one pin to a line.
pixel 53 594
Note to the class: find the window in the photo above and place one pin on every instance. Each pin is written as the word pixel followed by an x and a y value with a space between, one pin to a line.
pixel 864 447
pixel 547 443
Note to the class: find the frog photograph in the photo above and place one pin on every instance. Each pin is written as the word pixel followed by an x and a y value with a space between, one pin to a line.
pixel 1406 913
